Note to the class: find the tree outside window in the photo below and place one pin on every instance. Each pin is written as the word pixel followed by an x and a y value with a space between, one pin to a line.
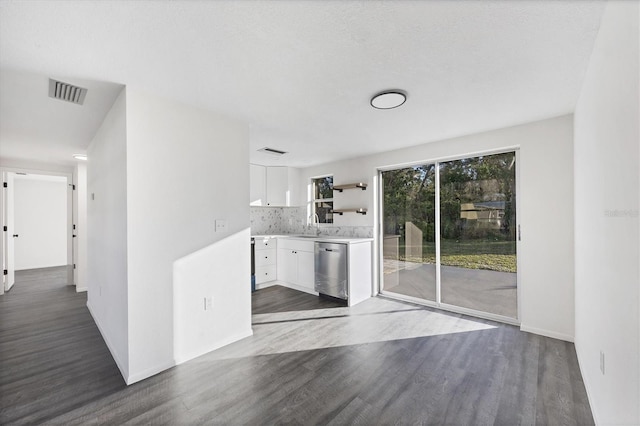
pixel 323 198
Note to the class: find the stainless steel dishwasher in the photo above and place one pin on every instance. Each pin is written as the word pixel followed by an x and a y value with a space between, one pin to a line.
pixel 331 269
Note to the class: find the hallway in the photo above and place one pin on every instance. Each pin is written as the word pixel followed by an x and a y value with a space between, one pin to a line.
pixel 52 355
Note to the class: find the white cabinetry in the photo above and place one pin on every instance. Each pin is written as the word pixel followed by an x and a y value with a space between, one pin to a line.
pixel 273 186
pixel 296 264
pixel 265 260
pixel 257 185
pixel 278 187
pixel 360 274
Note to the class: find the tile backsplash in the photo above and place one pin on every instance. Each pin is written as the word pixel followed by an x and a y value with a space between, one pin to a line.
pixel 293 220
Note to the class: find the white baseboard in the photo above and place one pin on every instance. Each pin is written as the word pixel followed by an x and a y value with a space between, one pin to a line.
pixel 265 285
pixel 586 387
pixel 128 378
pixel 295 287
pixel 285 284
pixel 80 289
pixel 547 333
pixel 121 367
pixel 217 345
pixel 133 378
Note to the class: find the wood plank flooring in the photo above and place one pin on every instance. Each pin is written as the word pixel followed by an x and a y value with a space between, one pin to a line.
pixel 55 368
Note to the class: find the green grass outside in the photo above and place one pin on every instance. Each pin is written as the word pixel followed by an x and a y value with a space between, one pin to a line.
pixel 476 254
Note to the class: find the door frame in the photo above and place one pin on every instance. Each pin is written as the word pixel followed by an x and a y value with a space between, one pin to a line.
pixel 70 220
pixel 439 305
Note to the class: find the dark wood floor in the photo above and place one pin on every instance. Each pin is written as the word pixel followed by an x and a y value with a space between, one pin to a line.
pixel 56 369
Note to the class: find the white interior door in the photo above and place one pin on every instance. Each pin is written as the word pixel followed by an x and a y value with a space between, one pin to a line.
pixel 9 254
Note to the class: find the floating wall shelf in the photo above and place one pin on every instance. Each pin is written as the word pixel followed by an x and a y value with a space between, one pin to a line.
pixel 340 188
pixel 341 211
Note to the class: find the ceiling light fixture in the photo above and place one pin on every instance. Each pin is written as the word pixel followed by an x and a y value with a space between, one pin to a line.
pixel 388 99
pixel 82 157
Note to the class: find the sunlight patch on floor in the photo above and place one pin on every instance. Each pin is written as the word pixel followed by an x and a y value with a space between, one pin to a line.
pixel 374 320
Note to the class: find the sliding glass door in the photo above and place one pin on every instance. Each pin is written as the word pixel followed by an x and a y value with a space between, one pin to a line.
pixel 409 254
pixel 468 207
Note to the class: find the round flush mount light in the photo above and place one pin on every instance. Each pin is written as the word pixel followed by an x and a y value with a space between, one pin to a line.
pixel 82 157
pixel 388 99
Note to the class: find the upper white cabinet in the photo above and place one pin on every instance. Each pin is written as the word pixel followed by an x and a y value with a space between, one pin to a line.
pixel 278 187
pixel 257 185
pixel 273 186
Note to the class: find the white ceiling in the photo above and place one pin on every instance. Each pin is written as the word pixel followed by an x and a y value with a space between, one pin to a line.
pixel 34 126
pixel 301 73
pixel 45 178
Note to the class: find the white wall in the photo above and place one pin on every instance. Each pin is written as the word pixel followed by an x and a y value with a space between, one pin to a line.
pixel 107 232
pixel 40 209
pixel 80 220
pixel 546 209
pixel 186 167
pixel 606 219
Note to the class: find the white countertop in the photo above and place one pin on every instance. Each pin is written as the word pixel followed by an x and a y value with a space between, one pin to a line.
pixel 319 238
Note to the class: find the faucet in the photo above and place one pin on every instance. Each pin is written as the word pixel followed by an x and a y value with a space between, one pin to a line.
pixel 317 221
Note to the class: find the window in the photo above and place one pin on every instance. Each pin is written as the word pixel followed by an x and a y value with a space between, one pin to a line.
pixel 322 203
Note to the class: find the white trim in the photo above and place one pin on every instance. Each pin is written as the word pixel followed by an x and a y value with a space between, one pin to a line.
pixel 518 261
pixel 399 296
pixel 452 308
pixel 295 287
pixel 265 285
pixel 449 158
pixel 437 237
pixel 313 201
pixel 81 289
pixel 378 237
pixel 145 374
pixel 586 386
pixel 217 345
pixel 121 367
pixel 547 333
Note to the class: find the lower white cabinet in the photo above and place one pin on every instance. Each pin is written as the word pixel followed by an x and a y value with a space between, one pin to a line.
pixel 291 262
pixel 296 264
pixel 306 269
pixel 265 260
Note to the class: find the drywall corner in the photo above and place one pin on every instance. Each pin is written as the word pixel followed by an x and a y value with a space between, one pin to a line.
pixel 107 232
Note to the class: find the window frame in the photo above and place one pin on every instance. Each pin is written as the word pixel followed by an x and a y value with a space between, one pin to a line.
pixel 315 201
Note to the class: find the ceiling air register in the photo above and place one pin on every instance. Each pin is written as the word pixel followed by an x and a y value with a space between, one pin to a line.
pixel 66 92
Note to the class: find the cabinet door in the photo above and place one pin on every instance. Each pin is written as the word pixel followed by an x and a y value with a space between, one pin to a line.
pixel 277 186
pixel 306 269
pixel 287 266
pixel 257 185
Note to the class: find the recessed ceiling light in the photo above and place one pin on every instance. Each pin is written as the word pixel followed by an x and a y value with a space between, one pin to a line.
pixel 82 157
pixel 388 99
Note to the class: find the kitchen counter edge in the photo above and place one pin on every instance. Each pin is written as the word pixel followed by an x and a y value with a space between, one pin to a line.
pixel 321 238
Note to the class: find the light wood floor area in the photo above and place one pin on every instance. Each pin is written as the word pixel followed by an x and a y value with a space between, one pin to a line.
pixel 310 361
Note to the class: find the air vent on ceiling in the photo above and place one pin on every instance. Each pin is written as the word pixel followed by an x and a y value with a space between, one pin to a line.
pixel 66 92
pixel 272 151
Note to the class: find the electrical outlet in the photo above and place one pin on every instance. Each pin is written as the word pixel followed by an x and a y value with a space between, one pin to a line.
pixel 208 303
pixel 602 362
pixel 221 225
